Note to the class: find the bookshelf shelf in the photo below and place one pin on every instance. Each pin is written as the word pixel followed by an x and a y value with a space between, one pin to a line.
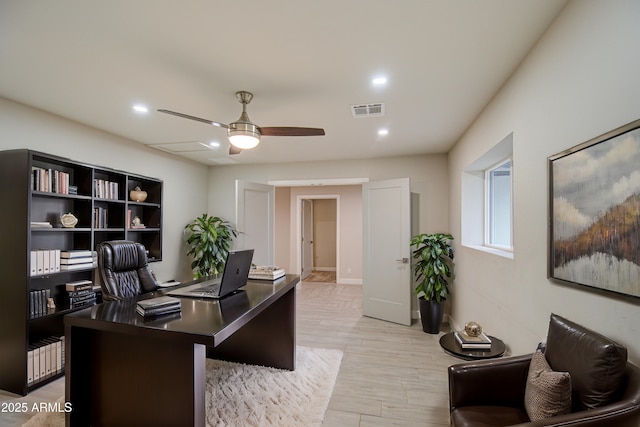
pixel 40 188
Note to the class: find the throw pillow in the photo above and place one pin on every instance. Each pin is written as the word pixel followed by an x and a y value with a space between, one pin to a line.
pixel 547 393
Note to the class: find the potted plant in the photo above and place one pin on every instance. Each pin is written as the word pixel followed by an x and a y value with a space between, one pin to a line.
pixel 433 269
pixel 209 241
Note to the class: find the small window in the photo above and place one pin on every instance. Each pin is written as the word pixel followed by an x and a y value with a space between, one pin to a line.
pixel 498 210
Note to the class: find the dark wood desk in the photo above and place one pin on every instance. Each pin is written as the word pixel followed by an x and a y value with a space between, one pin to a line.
pixel 122 369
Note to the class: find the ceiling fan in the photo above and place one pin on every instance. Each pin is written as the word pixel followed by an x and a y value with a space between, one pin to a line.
pixel 243 134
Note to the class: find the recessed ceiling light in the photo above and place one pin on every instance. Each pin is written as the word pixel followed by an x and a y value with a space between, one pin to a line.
pixel 379 81
pixel 139 108
pixel 383 132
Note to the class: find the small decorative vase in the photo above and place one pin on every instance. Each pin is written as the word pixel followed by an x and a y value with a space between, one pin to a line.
pixel 138 195
pixel 68 220
pixel 473 329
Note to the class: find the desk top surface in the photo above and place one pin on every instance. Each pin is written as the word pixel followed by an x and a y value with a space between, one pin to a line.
pixel 204 321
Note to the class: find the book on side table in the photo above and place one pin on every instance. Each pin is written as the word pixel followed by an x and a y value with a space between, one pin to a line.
pixel 467 342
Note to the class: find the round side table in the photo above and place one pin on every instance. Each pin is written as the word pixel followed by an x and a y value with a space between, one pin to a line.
pixel 449 343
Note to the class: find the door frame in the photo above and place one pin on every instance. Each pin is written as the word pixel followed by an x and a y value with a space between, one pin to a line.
pixel 299 200
pixel 306 241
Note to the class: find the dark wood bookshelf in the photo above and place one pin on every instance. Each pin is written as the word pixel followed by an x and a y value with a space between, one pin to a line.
pixel 99 198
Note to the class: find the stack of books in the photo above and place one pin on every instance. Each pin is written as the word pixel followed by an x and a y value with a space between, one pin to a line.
pixel 78 260
pixel 49 180
pixel 44 261
pixel 266 272
pixel 39 302
pixel 45 359
pixel 481 342
pixel 77 294
pixel 158 306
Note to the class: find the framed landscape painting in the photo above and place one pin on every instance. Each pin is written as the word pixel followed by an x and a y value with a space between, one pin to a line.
pixel 594 213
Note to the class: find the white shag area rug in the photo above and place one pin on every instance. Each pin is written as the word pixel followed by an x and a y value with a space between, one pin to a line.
pixel 247 395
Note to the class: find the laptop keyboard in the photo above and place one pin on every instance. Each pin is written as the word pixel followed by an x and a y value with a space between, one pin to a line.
pixel 211 289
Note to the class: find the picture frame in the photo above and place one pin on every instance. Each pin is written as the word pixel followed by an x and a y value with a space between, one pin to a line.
pixel 594 214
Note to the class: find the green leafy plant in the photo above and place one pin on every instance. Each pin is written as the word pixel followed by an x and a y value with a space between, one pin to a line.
pixel 209 241
pixel 433 254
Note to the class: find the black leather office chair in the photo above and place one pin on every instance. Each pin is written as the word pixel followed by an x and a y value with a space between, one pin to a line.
pixel 124 270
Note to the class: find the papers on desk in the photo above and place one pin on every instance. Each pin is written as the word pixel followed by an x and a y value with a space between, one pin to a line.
pixel 158 306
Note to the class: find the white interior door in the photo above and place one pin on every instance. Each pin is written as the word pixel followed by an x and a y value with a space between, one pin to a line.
pixel 306 243
pixel 255 220
pixel 386 291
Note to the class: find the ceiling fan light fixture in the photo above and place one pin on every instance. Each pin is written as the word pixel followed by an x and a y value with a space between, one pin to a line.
pixel 243 135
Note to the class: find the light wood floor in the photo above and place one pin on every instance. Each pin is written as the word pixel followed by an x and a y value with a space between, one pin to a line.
pixel 391 375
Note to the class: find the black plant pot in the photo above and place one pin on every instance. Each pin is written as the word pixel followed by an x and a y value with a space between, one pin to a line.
pixel 431 313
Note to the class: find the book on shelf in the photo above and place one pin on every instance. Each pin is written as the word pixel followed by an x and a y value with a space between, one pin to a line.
pixel 49 180
pixel 266 272
pixel 41 224
pixel 77 294
pixel 77 253
pixel 467 342
pixel 44 261
pixel 78 285
pixel 104 189
pixel 82 266
pixel 100 217
pixel 158 306
pixel 39 302
pixel 78 260
pixel 45 358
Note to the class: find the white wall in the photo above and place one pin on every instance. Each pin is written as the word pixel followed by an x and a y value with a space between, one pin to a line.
pixel 580 81
pixel 185 183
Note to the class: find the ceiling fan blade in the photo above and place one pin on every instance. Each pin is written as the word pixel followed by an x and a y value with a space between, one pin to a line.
pixel 197 119
pixel 234 150
pixel 290 131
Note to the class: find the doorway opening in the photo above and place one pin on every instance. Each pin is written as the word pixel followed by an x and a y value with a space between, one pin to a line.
pixel 319 237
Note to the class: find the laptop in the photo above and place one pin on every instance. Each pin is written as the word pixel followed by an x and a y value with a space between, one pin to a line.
pixel 234 276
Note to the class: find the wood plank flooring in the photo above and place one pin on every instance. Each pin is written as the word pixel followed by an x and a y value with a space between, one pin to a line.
pixel 391 375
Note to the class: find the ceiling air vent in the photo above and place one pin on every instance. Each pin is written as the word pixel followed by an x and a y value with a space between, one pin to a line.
pixel 367 110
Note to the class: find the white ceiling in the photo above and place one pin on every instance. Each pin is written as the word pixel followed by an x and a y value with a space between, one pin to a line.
pixel 306 62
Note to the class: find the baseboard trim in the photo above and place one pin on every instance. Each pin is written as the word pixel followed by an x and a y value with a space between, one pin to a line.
pixel 323 269
pixel 342 281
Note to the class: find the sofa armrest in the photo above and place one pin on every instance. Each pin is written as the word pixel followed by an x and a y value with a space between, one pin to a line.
pixel 496 382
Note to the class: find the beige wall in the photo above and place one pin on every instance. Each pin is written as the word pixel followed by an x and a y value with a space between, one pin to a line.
pixel 349 247
pixel 580 81
pixel 428 181
pixel 185 182
pixel 282 227
pixel 324 234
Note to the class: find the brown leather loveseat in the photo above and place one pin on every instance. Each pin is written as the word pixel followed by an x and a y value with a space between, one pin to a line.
pixel 604 388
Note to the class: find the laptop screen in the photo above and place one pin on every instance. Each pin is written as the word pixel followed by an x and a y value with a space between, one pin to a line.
pixel 236 270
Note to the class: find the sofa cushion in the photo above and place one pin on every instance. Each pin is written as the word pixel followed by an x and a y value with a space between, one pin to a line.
pixel 547 393
pixel 596 363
